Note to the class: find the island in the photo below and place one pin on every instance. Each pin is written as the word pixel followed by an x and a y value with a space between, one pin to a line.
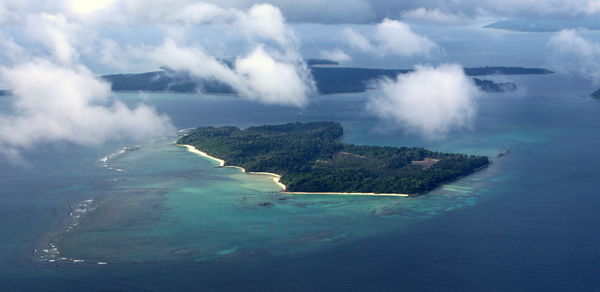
pixel 329 79
pixel 596 94
pixel 309 158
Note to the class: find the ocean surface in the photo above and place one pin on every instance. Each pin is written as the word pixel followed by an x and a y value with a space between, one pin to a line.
pixel 147 215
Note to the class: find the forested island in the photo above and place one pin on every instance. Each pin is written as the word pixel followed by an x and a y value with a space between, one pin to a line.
pixel 311 158
pixel 329 79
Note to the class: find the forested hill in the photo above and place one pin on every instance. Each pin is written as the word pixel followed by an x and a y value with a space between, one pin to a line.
pixel 311 158
pixel 329 79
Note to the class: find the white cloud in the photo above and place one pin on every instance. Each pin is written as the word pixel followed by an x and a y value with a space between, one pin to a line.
pixel 263 76
pixel 54 33
pixel 433 16
pixel 275 82
pixel 197 62
pixel 429 101
pixel 392 37
pixel 575 54
pixel 265 21
pixel 57 103
pixel 336 55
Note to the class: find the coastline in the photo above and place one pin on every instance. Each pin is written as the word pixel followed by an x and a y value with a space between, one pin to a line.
pixel 277 178
pixel 274 176
pixel 195 150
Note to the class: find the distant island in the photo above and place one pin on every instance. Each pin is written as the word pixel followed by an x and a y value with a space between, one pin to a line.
pixel 596 94
pixel 309 158
pixel 329 79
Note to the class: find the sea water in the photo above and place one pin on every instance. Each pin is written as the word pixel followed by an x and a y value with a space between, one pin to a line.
pixel 153 216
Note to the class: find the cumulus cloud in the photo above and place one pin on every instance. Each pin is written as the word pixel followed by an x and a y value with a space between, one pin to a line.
pixel 429 101
pixel 197 62
pixel 434 16
pixel 575 54
pixel 336 55
pixel 392 37
pixel 264 76
pixel 265 21
pixel 56 103
pixel 273 81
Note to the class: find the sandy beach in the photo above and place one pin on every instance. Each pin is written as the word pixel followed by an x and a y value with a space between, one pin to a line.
pixel 221 162
pixel 193 149
pixel 277 178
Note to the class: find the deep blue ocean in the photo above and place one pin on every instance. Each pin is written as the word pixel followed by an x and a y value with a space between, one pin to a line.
pixel 165 219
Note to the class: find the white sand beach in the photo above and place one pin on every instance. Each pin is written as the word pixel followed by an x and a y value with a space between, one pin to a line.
pixel 221 162
pixel 193 149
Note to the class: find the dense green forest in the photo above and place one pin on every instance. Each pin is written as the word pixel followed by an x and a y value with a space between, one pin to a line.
pixel 328 79
pixel 311 158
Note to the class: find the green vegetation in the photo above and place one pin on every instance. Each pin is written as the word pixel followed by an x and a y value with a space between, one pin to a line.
pixel 311 158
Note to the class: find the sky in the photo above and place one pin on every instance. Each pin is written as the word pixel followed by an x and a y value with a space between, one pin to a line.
pixel 52 52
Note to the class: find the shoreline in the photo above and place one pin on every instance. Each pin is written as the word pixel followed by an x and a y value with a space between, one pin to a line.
pixel 195 150
pixel 277 178
pixel 274 176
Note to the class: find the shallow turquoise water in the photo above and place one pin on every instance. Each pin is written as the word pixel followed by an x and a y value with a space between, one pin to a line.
pixel 170 204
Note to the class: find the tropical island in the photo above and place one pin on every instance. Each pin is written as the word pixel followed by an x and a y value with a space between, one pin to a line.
pixel 310 158
pixel 328 77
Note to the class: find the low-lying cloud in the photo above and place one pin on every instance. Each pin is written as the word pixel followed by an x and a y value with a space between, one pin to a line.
pixel 430 101
pixel 337 55
pixel 260 75
pixel 575 54
pixel 392 37
pixel 56 103
pixel 275 82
